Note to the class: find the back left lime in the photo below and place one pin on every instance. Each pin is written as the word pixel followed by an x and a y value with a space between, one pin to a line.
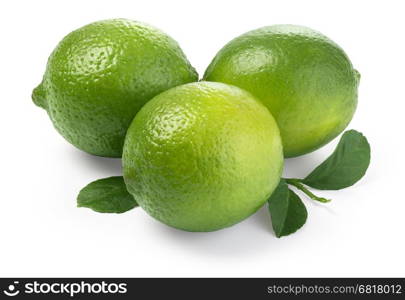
pixel 99 77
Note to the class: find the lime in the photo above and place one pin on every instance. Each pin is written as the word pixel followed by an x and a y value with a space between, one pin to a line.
pixel 100 75
pixel 305 80
pixel 202 156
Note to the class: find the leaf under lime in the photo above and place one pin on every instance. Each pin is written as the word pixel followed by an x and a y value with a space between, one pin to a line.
pixel 108 195
pixel 288 213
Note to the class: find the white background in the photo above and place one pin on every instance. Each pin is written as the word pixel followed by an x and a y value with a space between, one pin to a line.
pixel 42 233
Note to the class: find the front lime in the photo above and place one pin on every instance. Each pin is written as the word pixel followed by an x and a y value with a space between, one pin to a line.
pixel 305 80
pixel 100 75
pixel 202 156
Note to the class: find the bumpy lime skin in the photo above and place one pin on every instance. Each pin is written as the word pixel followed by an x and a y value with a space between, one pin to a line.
pixel 304 78
pixel 100 75
pixel 202 156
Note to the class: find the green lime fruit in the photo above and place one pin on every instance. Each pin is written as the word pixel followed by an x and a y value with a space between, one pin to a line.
pixel 305 80
pixel 202 156
pixel 99 77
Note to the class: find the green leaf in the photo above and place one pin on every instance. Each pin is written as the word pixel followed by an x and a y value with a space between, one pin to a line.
pixel 347 164
pixel 288 213
pixel 108 195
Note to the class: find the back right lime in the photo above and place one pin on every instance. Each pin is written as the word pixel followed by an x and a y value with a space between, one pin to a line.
pixel 304 78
